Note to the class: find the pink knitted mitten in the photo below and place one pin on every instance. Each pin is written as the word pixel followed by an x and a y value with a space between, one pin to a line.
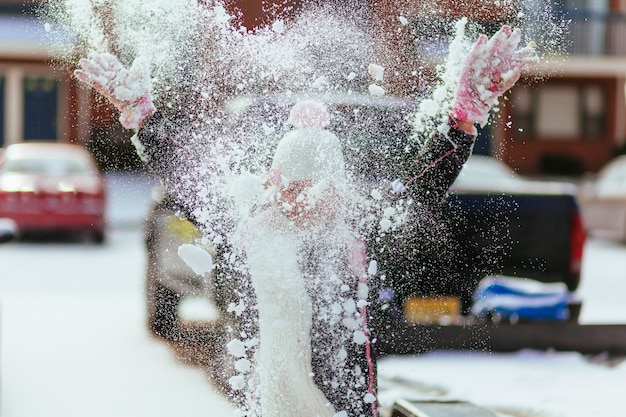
pixel 127 89
pixel 491 67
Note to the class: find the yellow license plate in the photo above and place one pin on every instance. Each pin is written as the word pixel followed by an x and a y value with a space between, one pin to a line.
pixel 182 228
pixel 432 310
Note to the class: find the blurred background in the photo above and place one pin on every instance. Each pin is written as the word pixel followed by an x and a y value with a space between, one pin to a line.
pixel 75 336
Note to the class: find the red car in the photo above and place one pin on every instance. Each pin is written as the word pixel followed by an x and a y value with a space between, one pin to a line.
pixel 52 187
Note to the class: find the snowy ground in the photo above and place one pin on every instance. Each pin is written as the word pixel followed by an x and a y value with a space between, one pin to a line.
pixel 73 341
pixel 530 383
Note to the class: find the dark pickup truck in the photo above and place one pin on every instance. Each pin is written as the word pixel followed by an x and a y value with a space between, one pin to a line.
pixel 542 220
pixel 500 224
pixel 531 230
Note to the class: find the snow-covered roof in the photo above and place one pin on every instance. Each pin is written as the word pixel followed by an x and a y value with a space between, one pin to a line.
pixel 27 37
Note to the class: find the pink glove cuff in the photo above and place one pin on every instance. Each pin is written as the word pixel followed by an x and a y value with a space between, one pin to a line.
pixel 467 107
pixel 459 113
pixel 133 115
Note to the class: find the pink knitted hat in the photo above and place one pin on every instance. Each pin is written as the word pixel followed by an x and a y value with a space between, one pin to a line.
pixel 309 113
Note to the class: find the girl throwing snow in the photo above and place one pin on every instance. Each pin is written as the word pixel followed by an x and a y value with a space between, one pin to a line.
pixel 293 246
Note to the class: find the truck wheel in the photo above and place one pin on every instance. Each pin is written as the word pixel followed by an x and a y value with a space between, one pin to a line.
pixel 162 305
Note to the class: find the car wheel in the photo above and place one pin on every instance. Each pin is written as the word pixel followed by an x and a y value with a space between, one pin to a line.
pixel 92 236
pixel 97 237
pixel 162 305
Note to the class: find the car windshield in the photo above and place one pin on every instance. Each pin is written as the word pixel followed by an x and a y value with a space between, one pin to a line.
pixel 46 166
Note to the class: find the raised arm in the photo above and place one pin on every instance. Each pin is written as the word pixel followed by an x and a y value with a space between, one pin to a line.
pixel 490 68
pixel 160 142
pixel 129 90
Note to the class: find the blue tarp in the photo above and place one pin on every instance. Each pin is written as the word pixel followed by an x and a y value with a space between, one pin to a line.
pixel 521 299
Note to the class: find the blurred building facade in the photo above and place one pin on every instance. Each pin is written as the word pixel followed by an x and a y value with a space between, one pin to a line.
pixel 565 116
pixel 577 116
pixel 38 101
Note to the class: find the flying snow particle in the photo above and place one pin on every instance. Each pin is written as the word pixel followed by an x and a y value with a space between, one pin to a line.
pixel 278 26
pixel 372 268
pixel 369 398
pixel 376 90
pixel 376 72
pixel 363 291
pixel 237 382
pixel 385 225
pixel 441 93
pixel 238 309
pixel 403 20
pixel 429 107
pixel 397 186
pixel 243 365
pixel 376 195
pixel 349 306
pixel 236 348
pixel 388 212
pixel 196 258
pixel 336 309
pixel 245 187
pixel 359 337
pixel 351 323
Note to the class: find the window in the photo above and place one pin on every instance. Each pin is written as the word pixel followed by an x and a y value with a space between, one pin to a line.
pixel 591 22
pixel 40 108
pixel 557 115
pixel 560 112
pixel 593 112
